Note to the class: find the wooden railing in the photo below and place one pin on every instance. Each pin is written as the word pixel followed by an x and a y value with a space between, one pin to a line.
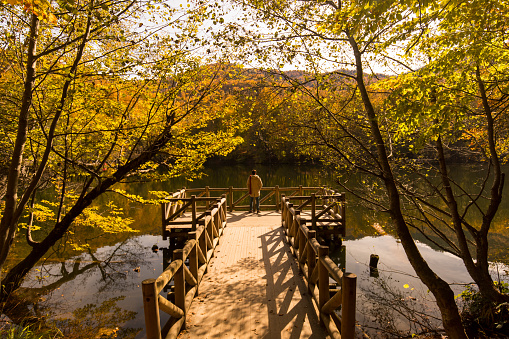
pixel 177 205
pixel 270 196
pixel 197 250
pixel 318 268
pixel 325 210
pixel 312 215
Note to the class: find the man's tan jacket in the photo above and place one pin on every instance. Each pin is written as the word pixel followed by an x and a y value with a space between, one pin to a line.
pixel 254 185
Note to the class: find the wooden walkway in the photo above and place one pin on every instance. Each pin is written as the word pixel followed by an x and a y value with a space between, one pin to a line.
pixel 258 291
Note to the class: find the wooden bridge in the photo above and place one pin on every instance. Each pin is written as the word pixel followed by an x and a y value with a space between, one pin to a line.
pixel 269 277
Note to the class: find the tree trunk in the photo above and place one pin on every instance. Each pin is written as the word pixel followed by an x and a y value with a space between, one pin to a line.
pixel 8 223
pixel 479 271
pixel 15 276
pixel 484 282
pixel 440 289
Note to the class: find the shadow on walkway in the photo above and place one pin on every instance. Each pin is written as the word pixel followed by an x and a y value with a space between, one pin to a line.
pixel 288 302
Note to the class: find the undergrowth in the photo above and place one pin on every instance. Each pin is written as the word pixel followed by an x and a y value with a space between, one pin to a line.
pixel 483 318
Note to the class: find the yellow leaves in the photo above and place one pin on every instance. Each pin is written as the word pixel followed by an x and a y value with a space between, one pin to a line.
pixel 139 199
pixel 406 286
pixel 43 213
pixel 41 8
pixel 111 221
pixel 79 248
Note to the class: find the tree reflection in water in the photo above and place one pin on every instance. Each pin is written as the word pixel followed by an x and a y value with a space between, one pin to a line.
pixel 99 321
pixel 387 311
pixel 93 295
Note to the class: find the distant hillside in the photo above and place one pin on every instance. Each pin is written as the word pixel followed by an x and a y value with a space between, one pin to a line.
pixel 303 76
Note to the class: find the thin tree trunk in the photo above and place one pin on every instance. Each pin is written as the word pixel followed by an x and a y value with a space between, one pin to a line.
pixel 484 282
pixel 8 223
pixel 440 289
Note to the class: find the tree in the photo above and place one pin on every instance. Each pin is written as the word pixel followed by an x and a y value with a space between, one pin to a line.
pixel 331 37
pixel 462 106
pixel 106 93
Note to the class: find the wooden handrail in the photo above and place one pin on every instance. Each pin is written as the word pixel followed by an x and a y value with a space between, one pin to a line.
pixel 318 268
pixel 195 199
pixel 206 230
pixel 204 195
pixel 198 250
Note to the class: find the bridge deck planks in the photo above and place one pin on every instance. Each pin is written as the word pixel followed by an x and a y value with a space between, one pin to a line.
pixel 253 288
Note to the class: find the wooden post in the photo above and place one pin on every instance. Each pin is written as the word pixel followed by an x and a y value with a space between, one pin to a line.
pixel 171 206
pixel 207 194
pixel 193 258
pixel 289 218
pixel 343 212
pixel 337 202
pixel 208 227
pixel 311 260
pixel 301 191
pixel 293 231
pixel 180 284
pixel 182 194
pixel 323 278
pixel 231 198
pixel 151 308
pixel 203 246
pixel 278 200
pixel 348 295
pixel 217 220
pixel 302 243
pixel 193 212
pixel 313 211
pixel 163 221
pixel 224 208
pixel 283 209
pixel 342 258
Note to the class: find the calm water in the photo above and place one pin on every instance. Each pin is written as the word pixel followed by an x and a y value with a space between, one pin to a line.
pixel 98 292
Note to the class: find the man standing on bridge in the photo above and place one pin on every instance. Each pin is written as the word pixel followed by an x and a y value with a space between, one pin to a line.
pixel 254 185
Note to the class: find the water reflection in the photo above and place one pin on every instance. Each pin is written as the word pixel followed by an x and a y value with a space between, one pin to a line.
pixel 100 292
pixel 97 293
pixel 397 303
pixel 360 218
pixel 86 292
pixel 387 310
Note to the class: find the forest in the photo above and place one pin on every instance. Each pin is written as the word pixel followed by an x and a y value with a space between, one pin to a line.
pixel 100 93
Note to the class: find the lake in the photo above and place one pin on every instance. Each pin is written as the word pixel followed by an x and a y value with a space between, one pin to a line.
pixel 97 292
